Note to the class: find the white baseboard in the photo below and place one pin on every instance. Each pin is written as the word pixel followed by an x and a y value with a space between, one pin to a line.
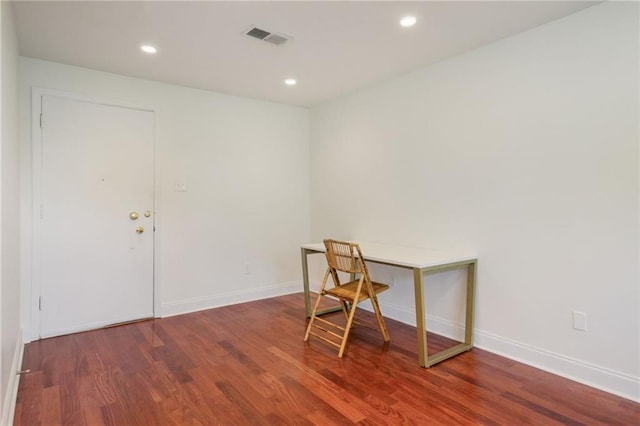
pixel 198 304
pixel 229 298
pixel 605 379
pixel 592 375
pixel 9 404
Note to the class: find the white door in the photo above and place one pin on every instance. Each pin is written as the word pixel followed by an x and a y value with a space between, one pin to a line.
pixel 97 169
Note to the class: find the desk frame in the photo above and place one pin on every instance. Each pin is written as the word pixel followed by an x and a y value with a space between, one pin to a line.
pixel 424 360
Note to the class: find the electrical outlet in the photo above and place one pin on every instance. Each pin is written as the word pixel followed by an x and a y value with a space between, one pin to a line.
pixel 179 185
pixel 580 321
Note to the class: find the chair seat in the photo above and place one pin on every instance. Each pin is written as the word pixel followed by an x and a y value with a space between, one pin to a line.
pixel 348 290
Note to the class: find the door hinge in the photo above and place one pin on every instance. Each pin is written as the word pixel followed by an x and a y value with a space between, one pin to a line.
pixel 39 303
pixel 41 120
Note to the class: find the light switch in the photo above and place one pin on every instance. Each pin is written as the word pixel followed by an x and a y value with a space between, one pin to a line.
pixel 180 185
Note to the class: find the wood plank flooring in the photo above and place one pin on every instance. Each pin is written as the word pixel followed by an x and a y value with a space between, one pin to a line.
pixel 247 365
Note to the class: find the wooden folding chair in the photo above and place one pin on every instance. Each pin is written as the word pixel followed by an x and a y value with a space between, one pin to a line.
pixel 345 257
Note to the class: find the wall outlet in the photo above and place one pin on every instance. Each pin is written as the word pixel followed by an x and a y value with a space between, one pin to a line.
pixel 180 185
pixel 580 321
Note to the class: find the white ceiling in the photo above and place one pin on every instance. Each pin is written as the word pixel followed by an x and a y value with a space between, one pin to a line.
pixel 338 47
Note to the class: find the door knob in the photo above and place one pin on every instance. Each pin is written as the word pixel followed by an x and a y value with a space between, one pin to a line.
pixel 133 215
pixel 139 230
pixel 147 213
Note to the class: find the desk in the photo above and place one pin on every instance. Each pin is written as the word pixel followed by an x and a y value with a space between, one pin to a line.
pixel 422 262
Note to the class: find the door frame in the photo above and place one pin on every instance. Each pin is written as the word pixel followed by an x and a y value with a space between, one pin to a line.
pixel 36 197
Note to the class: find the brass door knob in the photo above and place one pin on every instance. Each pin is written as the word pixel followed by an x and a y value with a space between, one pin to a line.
pixel 139 230
pixel 147 213
pixel 133 215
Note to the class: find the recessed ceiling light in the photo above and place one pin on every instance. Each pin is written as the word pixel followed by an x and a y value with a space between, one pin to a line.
pixel 290 82
pixel 408 21
pixel 147 48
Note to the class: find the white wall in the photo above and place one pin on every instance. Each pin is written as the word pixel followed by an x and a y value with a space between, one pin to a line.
pixel 525 150
pixel 10 338
pixel 246 165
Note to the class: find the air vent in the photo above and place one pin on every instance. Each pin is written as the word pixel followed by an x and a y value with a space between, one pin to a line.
pixel 269 37
pixel 258 33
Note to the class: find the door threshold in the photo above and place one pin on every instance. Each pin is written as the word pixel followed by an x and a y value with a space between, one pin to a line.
pixel 118 324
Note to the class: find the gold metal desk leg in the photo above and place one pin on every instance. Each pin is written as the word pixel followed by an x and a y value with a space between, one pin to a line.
pixel 424 360
pixel 305 281
pixel 471 290
pixel 421 321
pixel 307 293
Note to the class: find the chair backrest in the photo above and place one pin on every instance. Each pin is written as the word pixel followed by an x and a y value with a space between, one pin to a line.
pixel 344 256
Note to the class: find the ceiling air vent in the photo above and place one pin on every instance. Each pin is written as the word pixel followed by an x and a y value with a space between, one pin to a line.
pixel 273 38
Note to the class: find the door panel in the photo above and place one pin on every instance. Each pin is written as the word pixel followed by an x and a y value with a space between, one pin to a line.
pixel 97 168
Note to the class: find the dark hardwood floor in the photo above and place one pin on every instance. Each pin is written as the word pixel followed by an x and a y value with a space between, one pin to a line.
pixel 247 365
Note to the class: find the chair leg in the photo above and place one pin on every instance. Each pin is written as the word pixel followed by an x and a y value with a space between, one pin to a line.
pixel 345 309
pixel 376 309
pixel 352 312
pixel 315 306
pixel 347 328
